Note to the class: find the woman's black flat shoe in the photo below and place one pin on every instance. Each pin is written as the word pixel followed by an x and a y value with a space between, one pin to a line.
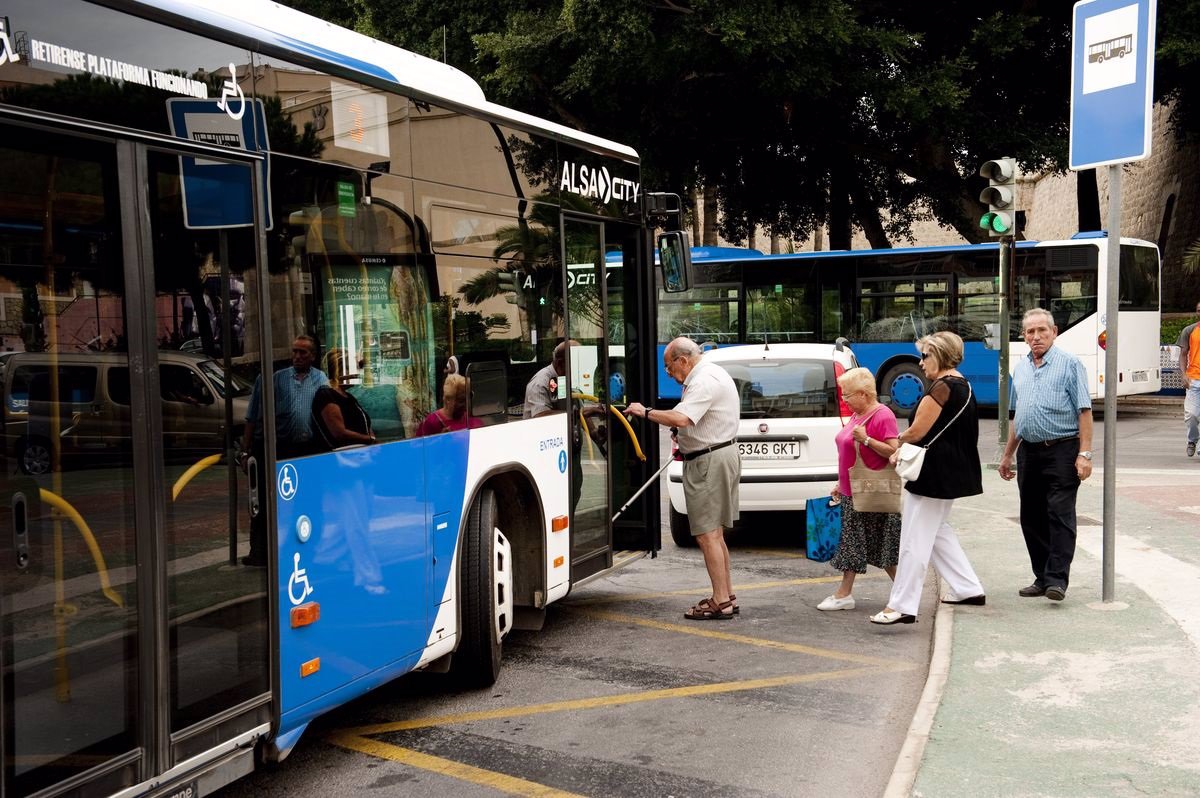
pixel 977 601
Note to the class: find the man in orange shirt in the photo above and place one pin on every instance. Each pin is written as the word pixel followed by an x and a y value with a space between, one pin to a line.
pixel 1189 370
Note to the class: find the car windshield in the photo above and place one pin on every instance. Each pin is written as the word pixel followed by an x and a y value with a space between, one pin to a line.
pixel 216 375
pixel 784 389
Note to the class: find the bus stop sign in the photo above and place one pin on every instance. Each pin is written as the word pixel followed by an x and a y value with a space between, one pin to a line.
pixel 218 194
pixel 1112 81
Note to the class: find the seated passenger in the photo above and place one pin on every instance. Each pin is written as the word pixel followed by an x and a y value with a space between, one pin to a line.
pixel 338 416
pixel 452 415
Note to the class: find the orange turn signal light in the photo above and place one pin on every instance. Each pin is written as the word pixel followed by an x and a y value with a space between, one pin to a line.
pixel 558 561
pixel 558 523
pixel 310 667
pixel 306 614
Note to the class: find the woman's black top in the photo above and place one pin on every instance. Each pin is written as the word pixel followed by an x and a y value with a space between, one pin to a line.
pixel 353 416
pixel 951 468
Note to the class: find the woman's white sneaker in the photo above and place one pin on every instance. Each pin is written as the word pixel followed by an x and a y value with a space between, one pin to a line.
pixel 835 603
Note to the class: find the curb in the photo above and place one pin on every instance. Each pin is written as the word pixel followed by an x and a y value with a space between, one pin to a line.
pixel 908 762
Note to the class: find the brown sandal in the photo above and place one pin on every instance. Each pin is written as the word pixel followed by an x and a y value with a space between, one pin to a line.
pixel 733 600
pixel 709 610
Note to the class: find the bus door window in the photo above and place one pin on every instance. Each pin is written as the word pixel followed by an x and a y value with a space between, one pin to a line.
pixel 1062 280
pixel 786 308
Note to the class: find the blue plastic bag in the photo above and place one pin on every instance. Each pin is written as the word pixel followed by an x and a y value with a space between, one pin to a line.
pixel 824 522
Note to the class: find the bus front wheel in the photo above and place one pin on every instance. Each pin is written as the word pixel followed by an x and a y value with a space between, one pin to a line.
pixel 681 531
pixel 485 592
pixel 905 385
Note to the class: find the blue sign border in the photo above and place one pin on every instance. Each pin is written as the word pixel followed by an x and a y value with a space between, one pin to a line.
pixel 1114 125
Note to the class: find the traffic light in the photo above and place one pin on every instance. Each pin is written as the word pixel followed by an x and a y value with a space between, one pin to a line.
pixel 513 283
pixel 1000 196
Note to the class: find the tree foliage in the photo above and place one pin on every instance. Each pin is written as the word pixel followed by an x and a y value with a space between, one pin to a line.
pixel 798 113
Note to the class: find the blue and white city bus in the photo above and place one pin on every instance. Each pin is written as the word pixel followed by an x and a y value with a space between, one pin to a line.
pixel 882 300
pixel 186 188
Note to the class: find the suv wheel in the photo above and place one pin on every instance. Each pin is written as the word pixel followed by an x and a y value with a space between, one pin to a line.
pixel 33 456
pixel 681 532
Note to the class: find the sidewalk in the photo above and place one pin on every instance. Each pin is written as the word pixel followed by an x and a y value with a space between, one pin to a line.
pixel 1065 699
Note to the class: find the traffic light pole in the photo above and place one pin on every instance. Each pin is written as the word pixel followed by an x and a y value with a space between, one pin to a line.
pixel 1006 246
pixel 1111 306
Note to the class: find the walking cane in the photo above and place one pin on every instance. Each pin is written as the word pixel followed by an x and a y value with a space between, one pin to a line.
pixel 642 489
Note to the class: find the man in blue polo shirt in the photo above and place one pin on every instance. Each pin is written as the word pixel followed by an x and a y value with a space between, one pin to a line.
pixel 1052 424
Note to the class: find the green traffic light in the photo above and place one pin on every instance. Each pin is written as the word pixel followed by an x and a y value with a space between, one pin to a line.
pixel 995 222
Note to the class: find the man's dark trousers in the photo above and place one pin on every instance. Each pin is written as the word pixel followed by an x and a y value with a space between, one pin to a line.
pixel 1048 482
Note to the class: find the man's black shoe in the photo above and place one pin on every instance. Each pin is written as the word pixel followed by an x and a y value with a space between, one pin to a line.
pixel 1033 591
pixel 254 562
pixel 1056 592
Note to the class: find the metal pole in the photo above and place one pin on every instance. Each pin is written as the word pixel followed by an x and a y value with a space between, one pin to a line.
pixel 1111 306
pixel 1006 245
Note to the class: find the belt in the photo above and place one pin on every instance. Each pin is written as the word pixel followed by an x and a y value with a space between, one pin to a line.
pixel 1053 441
pixel 705 450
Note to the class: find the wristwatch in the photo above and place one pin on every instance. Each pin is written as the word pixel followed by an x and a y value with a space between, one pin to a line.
pixel 1086 455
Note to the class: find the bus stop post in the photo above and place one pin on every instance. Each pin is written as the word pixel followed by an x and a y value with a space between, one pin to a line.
pixel 1111 306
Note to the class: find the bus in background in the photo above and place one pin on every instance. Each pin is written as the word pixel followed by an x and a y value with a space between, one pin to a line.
pixel 197 195
pixel 883 300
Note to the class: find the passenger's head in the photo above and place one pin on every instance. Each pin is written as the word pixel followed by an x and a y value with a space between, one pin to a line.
pixel 680 357
pixel 304 352
pixel 560 356
pixel 858 381
pixel 454 395
pixel 1038 330
pixel 336 366
pixel 940 351
pixel 451 366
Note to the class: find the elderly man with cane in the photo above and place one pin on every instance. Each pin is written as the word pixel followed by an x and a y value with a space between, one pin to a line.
pixel 706 423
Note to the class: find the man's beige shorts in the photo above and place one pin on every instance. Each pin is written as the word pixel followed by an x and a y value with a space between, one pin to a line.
pixel 710 488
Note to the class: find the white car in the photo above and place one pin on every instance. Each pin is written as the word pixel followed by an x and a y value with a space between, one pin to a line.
pixel 791 410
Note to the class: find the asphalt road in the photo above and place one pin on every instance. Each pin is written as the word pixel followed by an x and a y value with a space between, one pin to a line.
pixel 619 695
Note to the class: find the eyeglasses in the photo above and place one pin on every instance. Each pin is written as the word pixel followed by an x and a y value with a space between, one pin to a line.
pixel 924 355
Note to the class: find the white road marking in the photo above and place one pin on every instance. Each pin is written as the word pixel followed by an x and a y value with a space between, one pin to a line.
pixel 1173 584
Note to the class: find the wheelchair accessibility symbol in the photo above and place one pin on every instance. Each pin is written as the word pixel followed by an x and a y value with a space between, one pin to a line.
pixel 289 482
pixel 298 586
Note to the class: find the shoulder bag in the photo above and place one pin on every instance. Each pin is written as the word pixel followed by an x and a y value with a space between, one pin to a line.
pixel 912 457
pixel 873 491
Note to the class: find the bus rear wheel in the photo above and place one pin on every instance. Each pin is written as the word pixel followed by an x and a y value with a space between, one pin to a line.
pixel 485 592
pixel 681 531
pixel 905 385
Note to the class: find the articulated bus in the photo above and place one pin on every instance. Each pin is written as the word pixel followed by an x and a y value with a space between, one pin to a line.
pixel 883 300
pixel 186 189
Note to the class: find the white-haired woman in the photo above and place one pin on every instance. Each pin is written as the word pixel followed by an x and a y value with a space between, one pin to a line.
pixel 867 538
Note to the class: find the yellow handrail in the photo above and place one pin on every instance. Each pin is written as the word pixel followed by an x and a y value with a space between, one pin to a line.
pixel 64 507
pixel 188 475
pixel 637 447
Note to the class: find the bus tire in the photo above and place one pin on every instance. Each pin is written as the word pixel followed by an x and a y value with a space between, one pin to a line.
pixel 476 661
pixel 904 384
pixel 681 531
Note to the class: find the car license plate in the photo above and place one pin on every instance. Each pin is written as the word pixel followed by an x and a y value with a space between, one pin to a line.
pixel 769 450
pixel 1141 376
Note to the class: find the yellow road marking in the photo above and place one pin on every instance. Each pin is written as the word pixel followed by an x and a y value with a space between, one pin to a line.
pixel 620 699
pixel 436 764
pixel 694 629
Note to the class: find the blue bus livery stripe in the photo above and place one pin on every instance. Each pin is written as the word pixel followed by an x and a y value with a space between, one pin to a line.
pixel 374 563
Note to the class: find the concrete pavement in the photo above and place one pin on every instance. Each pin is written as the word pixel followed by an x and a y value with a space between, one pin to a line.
pixel 1029 697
